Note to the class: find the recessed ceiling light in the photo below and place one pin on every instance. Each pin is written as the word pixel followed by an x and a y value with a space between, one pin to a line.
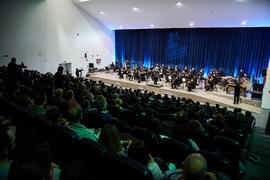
pixel 244 22
pixel 191 24
pixel 179 4
pixel 135 9
pixel 151 25
pixel 102 12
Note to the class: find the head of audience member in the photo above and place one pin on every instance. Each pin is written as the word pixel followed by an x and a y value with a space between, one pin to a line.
pixel 60 69
pixel 54 114
pixel 118 102
pixel 34 165
pixel 75 113
pixel 7 143
pixel 85 104
pixel 194 167
pixel 41 99
pixel 69 96
pixel 154 126
pixel 138 151
pixel 59 92
pixel 195 124
pixel 100 103
pixel 110 137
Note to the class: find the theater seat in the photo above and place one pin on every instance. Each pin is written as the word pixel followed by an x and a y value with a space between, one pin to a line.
pixel 121 125
pixel 122 167
pixel 217 162
pixel 172 150
pixel 64 144
pixel 95 158
pixel 148 137
pixel 225 144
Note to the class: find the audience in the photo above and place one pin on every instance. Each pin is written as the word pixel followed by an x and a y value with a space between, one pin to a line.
pixel 100 103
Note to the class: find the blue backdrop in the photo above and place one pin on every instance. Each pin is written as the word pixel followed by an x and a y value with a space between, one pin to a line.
pixel 230 48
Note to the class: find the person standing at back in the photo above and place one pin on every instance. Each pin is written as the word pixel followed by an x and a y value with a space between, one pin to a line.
pixel 236 93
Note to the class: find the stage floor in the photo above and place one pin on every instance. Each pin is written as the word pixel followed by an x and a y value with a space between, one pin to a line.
pixel 218 96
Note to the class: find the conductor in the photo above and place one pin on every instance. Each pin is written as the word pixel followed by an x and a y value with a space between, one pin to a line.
pixel 236 93
pixel 156 75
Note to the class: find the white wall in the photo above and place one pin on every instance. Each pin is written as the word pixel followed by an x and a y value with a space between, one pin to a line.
pixel 44 33
pixel 266 90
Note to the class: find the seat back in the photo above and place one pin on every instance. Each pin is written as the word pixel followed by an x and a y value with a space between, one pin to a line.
pixel 217 162
pixel 122 167
pixel 64 144
pixel 148 137
pixel 121 125
pixel 95 158
pixel 172 150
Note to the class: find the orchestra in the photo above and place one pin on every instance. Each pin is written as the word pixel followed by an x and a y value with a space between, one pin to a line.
pixel 176 77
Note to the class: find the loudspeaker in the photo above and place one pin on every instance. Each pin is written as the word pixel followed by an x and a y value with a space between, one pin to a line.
pixel 257 91
pixel 91 65
pixel 264 72
pixel 257 87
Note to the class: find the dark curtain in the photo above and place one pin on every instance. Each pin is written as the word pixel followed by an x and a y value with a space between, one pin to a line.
pixel 230 48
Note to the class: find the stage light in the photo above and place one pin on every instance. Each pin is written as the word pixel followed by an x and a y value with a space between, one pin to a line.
pixel 179 4
pixel 135 9
pixel 244 22
pixel 191 24
pixel 120 27
pixel 151 25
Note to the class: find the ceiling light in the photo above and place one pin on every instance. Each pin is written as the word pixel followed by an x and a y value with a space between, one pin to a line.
pixel 191 24
pixel 179 4
pixel 244 22
pixel 120 27
pixel 151 25
pixel 102 12
pixel 135 9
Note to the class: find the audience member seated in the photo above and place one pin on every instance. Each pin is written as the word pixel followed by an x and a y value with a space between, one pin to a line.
pixel 55 115
pixel 101 105
pixel 34 165
pixel 40 107
pixel 139 152
pixel 193 168
pixel 7 143
pixel 110 137
pixel 75 116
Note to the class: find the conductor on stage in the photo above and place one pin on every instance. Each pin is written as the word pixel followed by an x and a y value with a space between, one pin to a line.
pixel 156 75
pixel 236 93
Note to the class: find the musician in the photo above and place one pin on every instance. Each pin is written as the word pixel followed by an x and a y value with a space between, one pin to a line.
pixel 130 76
pixel 221 72
pixel 137 75
pixel 120 73
pixel 186 69
pixel 193 72
pixel 241 74
pixel 192 84
pixel 236 93
pixel 201 74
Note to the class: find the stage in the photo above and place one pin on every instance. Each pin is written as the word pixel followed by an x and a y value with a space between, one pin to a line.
pixel 217 96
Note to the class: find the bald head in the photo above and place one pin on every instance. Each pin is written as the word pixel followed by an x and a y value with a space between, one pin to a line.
pixel 195 167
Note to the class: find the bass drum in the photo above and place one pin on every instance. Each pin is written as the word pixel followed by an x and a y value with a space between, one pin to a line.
pixel 248 85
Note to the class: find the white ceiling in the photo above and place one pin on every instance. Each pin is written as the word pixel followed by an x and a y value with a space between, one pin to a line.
pixel 118 14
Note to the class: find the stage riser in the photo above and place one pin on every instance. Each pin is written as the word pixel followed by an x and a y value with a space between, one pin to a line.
pixel 206 97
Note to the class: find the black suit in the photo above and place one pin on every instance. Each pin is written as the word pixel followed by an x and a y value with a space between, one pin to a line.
pixel 237 93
